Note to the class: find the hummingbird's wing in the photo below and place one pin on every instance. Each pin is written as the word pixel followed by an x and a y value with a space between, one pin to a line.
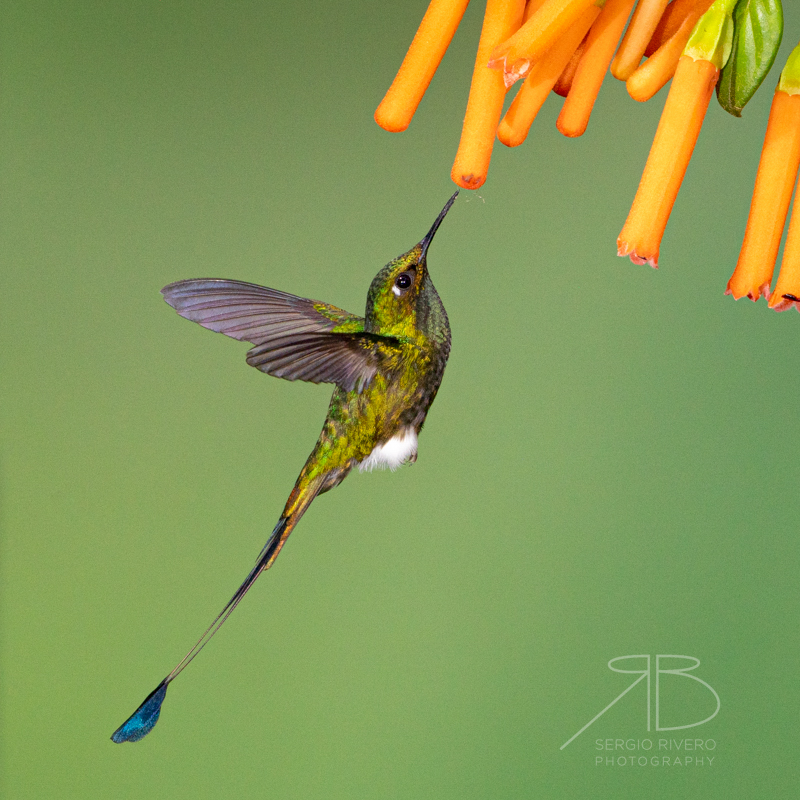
pixel 294 338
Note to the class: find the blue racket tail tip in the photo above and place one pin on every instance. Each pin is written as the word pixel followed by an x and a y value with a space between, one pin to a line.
pixel 143 720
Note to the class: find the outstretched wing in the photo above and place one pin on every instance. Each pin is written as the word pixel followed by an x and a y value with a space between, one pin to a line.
pixel 294 338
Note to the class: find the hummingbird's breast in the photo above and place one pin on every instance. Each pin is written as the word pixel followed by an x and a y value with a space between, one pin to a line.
pixel 378 427
pixel 398 403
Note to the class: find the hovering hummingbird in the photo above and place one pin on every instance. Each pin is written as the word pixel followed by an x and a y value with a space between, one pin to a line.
pixel 386 367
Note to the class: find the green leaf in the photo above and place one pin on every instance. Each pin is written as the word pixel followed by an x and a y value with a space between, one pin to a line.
pixel 757 31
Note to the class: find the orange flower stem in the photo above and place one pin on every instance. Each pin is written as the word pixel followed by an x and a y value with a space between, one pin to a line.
pixel 516 55
pixel 669 157
pixel 639 33
pixel 520 115
pixel 787 288
pixel 564 82
pixel 432 39
pixel 486 96
pixel 777 169
pixel 672 19
pixel 600 44
pixel 654 73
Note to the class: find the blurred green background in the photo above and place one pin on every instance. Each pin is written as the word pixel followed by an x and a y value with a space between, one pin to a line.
pixel 610 467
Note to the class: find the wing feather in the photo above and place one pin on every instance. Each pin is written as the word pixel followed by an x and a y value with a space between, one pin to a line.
pixel 294 338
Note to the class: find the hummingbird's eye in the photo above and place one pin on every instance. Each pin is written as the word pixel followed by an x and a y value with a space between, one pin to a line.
pixel 402 283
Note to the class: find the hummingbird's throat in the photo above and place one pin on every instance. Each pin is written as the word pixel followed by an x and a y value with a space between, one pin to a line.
pixel 400 449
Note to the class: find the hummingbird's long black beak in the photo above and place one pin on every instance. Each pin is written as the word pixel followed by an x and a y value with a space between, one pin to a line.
pixel 435 227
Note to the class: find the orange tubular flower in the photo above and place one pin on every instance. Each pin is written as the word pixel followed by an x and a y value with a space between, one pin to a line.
pixel 486 96
pixel 669 157
pixel 591 69
pixel 432 39
pixel 787 290
pixel 678 129
pixel 777 169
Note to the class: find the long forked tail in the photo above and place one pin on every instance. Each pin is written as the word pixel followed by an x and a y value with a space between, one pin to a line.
pixel 143 720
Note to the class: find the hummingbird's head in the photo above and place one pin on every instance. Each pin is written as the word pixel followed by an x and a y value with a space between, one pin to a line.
pixel 402 299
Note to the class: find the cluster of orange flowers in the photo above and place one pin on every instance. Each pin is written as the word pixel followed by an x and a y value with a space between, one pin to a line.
pixel 568 46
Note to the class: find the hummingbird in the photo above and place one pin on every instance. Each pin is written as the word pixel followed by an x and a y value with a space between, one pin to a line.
pixel 386 368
